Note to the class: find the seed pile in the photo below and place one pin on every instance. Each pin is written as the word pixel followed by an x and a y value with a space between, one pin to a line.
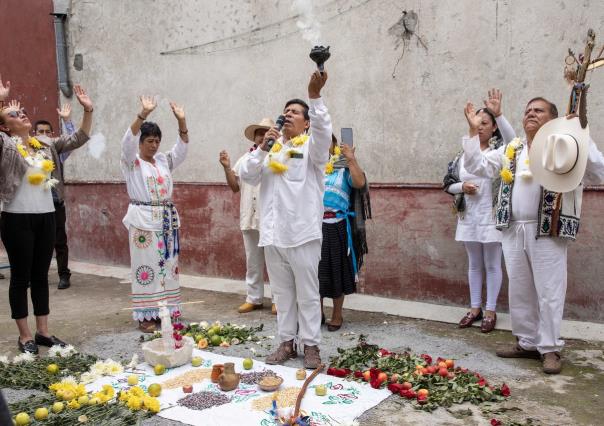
pixel 188 378
pixel 285 398
pixel 203 400
pixel 254 377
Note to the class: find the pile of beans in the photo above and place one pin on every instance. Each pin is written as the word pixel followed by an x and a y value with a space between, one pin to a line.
pixel 204 400
pixel 255 376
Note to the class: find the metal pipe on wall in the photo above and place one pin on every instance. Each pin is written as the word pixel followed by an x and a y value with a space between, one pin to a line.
pixel 60 16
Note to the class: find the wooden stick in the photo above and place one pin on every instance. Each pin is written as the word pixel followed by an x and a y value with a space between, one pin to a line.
pixel 303 390
pixel 171 304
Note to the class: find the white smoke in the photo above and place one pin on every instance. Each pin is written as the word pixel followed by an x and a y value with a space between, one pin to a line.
pixel 97 145
pixel 310 27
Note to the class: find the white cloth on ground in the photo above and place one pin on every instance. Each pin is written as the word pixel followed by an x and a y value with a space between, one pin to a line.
pixel 254 260
pixel 294 274
pixel 484 258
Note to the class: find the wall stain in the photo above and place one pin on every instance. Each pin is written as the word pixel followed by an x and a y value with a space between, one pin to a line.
pixel 403 31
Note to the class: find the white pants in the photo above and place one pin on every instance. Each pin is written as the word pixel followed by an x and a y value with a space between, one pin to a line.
pixel 481 257
pixel 537 273
pixel 254 261
pixel 293 273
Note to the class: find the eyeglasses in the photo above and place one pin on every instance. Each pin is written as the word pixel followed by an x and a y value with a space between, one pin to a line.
pixel 17 114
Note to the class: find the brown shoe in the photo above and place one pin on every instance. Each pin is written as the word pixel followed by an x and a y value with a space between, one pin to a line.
pixel 147 326
pixel 470 319
pixel 517 352
pixel 552 363
pixel 274 309
pixel 488 323
pixel 285 351
pixel 312 359
pixel 248 307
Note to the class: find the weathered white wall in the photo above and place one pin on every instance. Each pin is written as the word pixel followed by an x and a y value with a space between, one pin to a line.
pixel 230 62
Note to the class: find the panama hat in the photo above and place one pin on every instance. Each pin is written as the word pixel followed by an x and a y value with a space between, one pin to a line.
pixel 558 155
pixel 250 131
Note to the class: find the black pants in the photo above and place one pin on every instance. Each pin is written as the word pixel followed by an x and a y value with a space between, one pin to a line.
pixel 29 240
pixel 61 248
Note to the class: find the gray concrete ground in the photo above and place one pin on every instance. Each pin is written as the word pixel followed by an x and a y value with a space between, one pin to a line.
pixel 90 315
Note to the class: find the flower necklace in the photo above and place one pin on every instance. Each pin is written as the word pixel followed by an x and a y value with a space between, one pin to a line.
pixel 510 153
pixel 38 161
pixel 329 167
pixel 279 167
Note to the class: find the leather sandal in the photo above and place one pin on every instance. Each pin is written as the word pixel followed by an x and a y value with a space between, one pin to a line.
pixel 470 319
pixel 147 326
pixel 333 327
pixel 488 324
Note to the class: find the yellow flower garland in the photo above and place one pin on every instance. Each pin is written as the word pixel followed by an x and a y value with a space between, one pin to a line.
pixel 35 143
pixel 329 167
pixel 36 178
pixel 300 140
pixel 48 166
pixel 510 152
pixel 506 176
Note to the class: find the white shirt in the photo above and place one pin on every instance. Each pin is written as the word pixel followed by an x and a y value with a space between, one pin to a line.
pixel 478 221
pixel 30 198
pixel 291 203
pixel 248 204
pixel 148 182
pixel 526 194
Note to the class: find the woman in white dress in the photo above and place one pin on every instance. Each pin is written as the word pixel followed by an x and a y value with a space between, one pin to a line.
pixel 152 220
pixel 474 204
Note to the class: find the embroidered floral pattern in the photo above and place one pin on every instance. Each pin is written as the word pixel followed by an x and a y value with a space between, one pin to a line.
pixel 141 238
pixel 145 275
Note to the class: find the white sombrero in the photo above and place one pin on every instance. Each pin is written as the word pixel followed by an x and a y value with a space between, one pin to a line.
pixel 250 131
pixel 558 154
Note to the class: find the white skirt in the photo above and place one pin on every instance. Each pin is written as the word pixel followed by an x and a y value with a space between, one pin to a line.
pixel 154 278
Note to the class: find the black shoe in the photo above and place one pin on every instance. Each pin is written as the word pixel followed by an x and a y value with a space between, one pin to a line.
pixel 333 327
pixel 49 341
pixel 29 346
pixel 64 283
pixel 322 318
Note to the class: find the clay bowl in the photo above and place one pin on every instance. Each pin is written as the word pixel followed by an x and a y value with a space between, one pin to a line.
pixel 270 383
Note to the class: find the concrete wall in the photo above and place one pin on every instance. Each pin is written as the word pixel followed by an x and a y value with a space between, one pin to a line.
pixel 27 56
pixel 231 62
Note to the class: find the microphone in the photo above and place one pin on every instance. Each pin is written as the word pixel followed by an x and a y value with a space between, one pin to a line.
pixel 279 125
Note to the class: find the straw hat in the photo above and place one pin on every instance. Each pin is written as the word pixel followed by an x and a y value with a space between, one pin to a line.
pixel 265 123
pixel 558 155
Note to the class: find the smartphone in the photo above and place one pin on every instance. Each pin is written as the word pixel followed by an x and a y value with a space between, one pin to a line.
pixel 346 135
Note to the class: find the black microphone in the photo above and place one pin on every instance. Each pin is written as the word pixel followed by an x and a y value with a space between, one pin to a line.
pixel 279 125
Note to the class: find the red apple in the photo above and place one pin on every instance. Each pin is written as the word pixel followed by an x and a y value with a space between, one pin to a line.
pixel 443 372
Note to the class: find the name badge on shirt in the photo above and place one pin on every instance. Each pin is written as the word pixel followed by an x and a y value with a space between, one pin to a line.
pixel 296 155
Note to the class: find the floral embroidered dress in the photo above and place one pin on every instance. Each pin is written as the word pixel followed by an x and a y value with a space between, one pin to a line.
pixel 153 223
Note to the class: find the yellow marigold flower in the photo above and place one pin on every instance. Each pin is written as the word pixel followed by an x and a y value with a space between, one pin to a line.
pixel 506 176
pixel 48 166
pixel 276 147
pixel 73 404
pixel 337 150
pixel 151 404
pixel 299 140
pixel 81 390
pixel 36 178
pixel 136 391
pixel 329 168
pixel 35 143
pixel 22 150
pixel 135 403
pixel 510 152
pixel 277 167
pixel 123 396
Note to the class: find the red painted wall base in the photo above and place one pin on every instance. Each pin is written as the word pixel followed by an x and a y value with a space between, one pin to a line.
pixel 413 254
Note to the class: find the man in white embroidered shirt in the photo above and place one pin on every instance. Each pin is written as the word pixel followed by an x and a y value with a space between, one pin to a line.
pixel 291 213
pixel 535 236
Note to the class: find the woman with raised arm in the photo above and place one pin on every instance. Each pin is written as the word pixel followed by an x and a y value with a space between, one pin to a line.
pixel 29 169
pixel 152 219
pixel 475 199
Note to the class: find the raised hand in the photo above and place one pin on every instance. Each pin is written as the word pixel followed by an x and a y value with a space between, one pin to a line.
pixel 316 83
pixel 493 103
pixel 14 105
pixel 178 110
pixel 4 89
pixel 224 159
pixel 347 152
pixel 148 103
pixel 83 98
pixel 474 119
pixel 65 111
